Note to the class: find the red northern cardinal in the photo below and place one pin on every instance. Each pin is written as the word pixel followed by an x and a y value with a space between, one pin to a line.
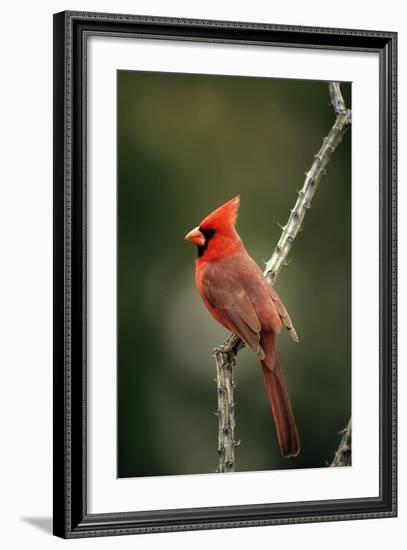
pixel 237 294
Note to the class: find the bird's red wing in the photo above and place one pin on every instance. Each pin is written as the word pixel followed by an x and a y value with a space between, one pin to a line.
pixel 285 318
pixel 225 294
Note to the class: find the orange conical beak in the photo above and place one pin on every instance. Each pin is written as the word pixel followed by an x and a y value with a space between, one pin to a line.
pixel 195 236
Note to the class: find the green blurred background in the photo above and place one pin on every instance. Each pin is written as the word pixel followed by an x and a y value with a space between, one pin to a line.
pixel 186 144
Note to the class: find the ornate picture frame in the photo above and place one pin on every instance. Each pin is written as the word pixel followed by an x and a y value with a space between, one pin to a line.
pixel 72 31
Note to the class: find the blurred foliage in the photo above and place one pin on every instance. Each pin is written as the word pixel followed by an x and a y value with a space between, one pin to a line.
pixel 186 144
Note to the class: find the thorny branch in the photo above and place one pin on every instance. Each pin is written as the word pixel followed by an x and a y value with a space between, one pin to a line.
pixel 225 355
pixel 343 456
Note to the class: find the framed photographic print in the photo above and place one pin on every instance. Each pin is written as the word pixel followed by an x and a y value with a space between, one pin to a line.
pixel 224 274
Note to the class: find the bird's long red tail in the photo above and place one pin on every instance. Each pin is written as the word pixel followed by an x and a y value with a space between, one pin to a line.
pixel 280 404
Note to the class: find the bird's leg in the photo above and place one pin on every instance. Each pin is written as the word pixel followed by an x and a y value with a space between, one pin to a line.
pixel 230 346
pixel 222 348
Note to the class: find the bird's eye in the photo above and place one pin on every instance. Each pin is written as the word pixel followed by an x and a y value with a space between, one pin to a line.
pixel 208 233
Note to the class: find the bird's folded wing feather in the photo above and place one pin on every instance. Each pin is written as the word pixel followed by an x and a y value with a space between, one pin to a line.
pixel 285 318
pixel 224 292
